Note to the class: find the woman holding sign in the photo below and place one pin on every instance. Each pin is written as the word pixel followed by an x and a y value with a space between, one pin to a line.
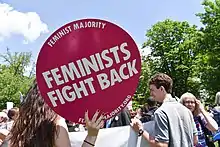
pixel 39 126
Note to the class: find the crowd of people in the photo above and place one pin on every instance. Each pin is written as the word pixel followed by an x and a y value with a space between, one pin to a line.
pixel 7 118
pixel 183 122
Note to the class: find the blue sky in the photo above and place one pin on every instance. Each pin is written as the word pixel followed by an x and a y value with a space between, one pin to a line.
pixel 134 16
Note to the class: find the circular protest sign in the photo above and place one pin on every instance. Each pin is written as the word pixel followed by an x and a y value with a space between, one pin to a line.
pixel 88 64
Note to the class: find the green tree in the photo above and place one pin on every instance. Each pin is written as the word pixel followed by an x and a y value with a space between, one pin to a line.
pixel 13 80
pixel 174 52
pixel 143 89
pixel 17 62
pixel 210 58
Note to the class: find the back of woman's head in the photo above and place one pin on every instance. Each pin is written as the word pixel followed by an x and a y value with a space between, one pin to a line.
pixel 35 125
pixel 13 113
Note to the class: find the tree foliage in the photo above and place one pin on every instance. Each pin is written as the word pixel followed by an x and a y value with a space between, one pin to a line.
pixel 190 55
pixel 210 57
pixel 12 77
pixel 174 50
pixel 142 90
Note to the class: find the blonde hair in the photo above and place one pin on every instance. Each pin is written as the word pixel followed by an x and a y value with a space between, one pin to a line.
pixel 189 95
pixel 186 95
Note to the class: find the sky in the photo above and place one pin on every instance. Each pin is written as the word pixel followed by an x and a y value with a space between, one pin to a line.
pixel 26 24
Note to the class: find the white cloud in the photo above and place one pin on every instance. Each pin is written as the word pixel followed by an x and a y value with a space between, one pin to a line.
pixel 29 24
pixel 145 51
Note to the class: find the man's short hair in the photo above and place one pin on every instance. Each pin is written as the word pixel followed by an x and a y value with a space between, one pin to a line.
pixel 162 79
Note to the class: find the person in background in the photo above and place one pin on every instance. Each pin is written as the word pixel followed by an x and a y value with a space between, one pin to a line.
pixel 12 115
pixel 216 110
pixel 3 120
pixel 174 125
pixel 73 127
pixel 201 117
pixel 129 106
pixel 133 113
pixel 150 107
pixel 5 110
pixel 123 118
pixel 139 112
pixel 217 99
pixel 3 126
pixel 38 125
pixel 130 109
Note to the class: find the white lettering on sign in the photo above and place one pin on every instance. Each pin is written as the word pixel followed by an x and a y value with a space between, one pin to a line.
pixel 58 35
pixel 117 76
pixel 89 24
pixel 70 93
pixel 74 71
pixel 75 26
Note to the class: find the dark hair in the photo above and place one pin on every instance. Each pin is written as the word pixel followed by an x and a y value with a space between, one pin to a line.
pixel 12 112
pixel 141 108
pixel 35 125
pixel 151 102
pixel 162 79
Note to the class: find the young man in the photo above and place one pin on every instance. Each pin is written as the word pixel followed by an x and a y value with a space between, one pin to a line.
pixel 174 124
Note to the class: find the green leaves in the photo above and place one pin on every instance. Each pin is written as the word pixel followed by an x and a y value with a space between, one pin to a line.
pixel 190 55
pixel 211 42
pixel 174 44
pixel 12 77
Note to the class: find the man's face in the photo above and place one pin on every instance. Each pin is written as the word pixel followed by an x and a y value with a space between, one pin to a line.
pixel 157 94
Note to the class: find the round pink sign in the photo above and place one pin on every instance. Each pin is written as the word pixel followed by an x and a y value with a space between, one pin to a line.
pixel 88 64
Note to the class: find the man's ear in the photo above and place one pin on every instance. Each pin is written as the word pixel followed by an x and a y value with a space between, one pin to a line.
pixel 162 88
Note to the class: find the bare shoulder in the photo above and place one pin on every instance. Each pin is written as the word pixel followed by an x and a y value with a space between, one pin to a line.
pixel 61 122
pixel 62 138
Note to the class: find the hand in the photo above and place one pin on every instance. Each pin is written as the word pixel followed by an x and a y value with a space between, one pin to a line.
pixel 95 124
pixel 200 106
pixel 136 124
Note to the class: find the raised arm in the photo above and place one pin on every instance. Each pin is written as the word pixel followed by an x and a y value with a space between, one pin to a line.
pixel 93 127
pixel 211 124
